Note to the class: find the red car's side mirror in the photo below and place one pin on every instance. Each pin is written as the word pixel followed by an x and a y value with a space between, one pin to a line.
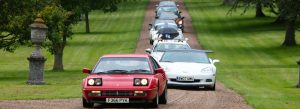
pixel 86 70
pixel 160 70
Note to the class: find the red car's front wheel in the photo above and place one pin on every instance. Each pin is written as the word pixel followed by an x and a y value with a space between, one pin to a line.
pixel 87 104
pixel 155 101
pixel 163 98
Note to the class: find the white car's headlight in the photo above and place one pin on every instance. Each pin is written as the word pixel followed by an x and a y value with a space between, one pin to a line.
pixel 166 69
pixel 207 70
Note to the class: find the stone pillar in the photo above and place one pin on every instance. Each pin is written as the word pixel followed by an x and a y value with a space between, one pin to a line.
pixel 36 59
pixel 36 70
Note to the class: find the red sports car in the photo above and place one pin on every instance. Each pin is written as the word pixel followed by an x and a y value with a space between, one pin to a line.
pixel 125 78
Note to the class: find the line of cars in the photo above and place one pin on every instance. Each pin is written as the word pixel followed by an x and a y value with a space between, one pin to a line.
pixel 144 78
pixel 183 65
pixel 168 23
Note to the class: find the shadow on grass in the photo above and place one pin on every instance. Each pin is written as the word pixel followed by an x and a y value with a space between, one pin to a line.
pixel 100 43
pixel 104 32
pixel 14 78
pixel 232 25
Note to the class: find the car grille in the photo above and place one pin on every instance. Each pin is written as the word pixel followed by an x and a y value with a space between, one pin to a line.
pixel 117 93
pixel 195 80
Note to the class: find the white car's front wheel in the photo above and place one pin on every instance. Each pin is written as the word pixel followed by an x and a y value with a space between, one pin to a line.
pixel 211 87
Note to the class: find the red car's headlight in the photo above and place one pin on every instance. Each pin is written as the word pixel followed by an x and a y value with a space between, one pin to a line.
pixel 94 82
pixel 140 82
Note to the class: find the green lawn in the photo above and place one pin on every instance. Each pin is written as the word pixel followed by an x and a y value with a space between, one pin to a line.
pixel 110 33
pixel 252 61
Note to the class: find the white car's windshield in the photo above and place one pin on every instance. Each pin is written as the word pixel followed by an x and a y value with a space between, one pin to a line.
pixel 168 16
pixel 182 56
pixel 169 46
pixel 167 9
pixel 122 65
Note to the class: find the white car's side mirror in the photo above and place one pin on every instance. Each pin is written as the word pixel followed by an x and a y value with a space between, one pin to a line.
pixel 148 50
pixel 150 26
pixel 215 61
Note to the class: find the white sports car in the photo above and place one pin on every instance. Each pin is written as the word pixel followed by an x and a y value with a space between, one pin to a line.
pixel 189 68
pixel 160 47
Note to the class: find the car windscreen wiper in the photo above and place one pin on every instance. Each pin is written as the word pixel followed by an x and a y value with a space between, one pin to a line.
pixel 160 50
pixel 99 72
pixel 166 61
pixel 117 71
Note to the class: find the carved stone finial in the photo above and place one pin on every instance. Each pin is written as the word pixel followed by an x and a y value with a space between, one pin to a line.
pixel 39 19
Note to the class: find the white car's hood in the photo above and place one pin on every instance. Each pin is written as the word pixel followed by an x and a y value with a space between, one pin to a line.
pixel 187 68
pixel 157 55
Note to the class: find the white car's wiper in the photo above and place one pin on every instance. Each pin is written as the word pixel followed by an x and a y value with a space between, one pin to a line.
pixel 167 61
pixel 160 50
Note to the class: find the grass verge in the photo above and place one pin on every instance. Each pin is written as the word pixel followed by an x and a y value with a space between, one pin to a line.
pixel 253 63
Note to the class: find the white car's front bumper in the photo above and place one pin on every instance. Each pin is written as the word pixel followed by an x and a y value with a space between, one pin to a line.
pixel 199 80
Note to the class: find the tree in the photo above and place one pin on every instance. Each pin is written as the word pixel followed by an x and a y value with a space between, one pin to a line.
pixel 55 17
pixel 290 8
pixel 259 12
pixel 16 16
pixel 259 4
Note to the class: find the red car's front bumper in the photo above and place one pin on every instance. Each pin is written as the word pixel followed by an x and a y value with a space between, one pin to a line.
pixel 135 95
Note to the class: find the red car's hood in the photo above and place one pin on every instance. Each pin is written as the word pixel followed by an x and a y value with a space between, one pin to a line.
pixel 112 81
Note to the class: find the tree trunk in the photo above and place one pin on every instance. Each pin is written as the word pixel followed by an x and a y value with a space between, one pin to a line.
pixel 228 2
pixel 290 34
pixel 259 12
pixel 87 23
pixel 58 60
pixel 59 49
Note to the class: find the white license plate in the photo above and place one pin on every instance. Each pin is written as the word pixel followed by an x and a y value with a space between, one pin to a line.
pixel 179 78
pixel 117 100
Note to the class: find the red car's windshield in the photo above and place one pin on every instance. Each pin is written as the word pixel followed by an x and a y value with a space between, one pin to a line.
pixel 122 65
